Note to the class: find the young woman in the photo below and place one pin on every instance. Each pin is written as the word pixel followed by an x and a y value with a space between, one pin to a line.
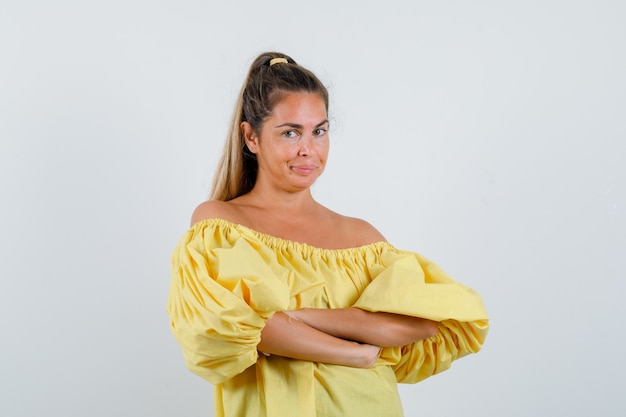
pixel 288 307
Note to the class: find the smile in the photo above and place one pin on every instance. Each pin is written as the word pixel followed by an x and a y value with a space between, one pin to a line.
pixel 304 170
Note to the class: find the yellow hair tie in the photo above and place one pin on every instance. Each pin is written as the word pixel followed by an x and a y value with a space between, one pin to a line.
pixel 278 61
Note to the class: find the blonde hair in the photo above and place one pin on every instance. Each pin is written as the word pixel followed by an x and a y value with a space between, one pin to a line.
pixel 271 76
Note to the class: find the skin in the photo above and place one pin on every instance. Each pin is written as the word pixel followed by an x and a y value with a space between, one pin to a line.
pixel 292 148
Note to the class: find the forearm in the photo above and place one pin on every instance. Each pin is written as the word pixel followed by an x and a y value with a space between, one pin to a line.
pixel 289 337
pixel 381 329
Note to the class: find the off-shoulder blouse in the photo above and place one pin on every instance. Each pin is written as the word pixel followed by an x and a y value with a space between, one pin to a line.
pixel 228 280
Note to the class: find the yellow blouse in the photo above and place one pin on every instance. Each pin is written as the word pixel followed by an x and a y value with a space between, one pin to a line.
pixel 229 279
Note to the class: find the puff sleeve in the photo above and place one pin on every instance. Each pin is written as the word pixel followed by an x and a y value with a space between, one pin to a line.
pixel 410 284
pixel 224 288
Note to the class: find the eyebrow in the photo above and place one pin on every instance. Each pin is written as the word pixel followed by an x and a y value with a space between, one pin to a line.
pixel 297 126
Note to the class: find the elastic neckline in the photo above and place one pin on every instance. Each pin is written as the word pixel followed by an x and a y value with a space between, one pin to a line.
pixel 279 242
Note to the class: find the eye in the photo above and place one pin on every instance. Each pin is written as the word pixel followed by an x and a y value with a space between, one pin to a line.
pixel 320 132
pixel 290 134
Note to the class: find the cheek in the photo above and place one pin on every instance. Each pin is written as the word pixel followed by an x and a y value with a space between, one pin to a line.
pixel 283 152
pixel 322 150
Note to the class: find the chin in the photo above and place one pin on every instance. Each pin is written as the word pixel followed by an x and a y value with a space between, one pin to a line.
pixel 303 185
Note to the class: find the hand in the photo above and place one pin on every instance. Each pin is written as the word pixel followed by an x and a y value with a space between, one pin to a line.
pixel 367 356
pixel 286 335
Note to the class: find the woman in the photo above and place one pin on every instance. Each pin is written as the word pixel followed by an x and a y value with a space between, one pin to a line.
pixel 289 307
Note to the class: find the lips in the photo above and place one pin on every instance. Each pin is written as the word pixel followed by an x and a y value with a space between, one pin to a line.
pixel 304 169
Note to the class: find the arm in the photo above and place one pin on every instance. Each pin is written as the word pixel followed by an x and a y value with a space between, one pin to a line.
pixel 380 329
pixel 284 335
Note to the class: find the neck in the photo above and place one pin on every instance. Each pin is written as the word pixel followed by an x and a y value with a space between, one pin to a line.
pixel 282 200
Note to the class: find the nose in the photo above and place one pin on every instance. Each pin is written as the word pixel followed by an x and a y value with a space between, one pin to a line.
pixel 305 145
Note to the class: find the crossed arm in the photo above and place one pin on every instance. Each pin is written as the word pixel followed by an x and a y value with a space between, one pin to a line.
pixel 345 336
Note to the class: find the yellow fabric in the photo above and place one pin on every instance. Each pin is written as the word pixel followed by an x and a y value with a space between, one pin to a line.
pixel 228 280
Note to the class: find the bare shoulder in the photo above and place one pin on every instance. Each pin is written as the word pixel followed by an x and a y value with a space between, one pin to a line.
pixel 214 209
pixel 362 232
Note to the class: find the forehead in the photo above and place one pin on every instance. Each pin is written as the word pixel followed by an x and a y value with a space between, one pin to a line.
pixel 300 107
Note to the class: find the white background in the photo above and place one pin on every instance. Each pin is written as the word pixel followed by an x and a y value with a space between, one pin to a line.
pixel 487 135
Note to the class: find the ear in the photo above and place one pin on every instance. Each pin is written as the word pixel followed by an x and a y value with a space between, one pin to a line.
pixel 250 136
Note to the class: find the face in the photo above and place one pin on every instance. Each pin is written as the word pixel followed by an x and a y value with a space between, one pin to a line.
pixel 292 145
